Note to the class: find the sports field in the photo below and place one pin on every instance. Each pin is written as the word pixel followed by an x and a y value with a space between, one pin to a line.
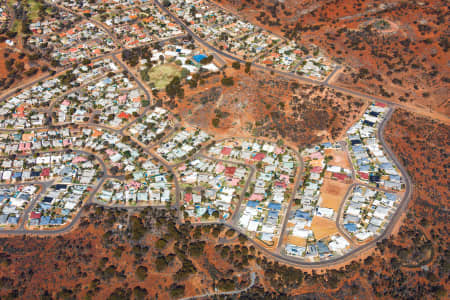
pixel 161 75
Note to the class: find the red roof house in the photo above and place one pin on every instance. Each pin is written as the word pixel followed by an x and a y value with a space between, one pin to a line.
pixel 123 115
pixel 316 170
pixel 45 172
pixel 35 215
pixel 229 171
pixel 226 151
pixel 188 197
pixel 281 184
pixel 363 175
pixel 339 176
pixel 259 156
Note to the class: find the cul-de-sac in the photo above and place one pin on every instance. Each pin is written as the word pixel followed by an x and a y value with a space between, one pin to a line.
pixel 207 149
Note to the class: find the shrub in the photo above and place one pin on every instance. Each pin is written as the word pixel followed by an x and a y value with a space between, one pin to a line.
pixel 140 293
pixel 247 67
pixel 177 291
pixel 228 81
pixel 161 263
pixel 137 228
pixel 161 243
pixel 141 272
pixel 207 60
pixel 230 233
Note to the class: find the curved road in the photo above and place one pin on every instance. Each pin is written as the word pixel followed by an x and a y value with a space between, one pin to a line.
pixel 350 254
pixel 285 259
pixel 292 199
pixel 75 219
pixel 282 258
pixel 325 83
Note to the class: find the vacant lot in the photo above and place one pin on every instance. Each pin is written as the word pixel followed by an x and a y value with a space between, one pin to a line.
pixel 323 227
pixel 297 241
pixel 339 158
pixel 333 193
pixel 160 76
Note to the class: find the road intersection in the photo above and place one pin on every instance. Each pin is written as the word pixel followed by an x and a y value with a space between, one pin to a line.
pixel 232 223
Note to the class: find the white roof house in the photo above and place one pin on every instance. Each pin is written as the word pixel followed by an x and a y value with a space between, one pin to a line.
pixel 338 243
pixel 381 212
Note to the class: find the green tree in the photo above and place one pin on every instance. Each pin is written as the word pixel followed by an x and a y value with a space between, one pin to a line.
pixel 161 244
pixel 142 272
pixel 228 81
pixel 138 229
pixel 161 263
pixel 177 291
pixel 247 67
pixel 207 60
pixel 174 88
pixel 140 293
pixel 185 73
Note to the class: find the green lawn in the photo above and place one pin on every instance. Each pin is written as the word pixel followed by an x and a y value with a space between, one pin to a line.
pixel 161 75
pixel 33 13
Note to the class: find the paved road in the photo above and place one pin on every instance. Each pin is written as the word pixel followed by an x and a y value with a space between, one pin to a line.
pixel 350 254
pixel 128 125
pixel 340 213
pixel 330 76
pixel 325 83
pixel 58 231
pixel 31 83
pixel 60 71
pixel 289 260
pixel 125 67
pixel 291 200
pixel 128 207
pixel 407 195
pixel 64 229
pixel 43 187
pixel 92 20
pixel 408 182
pixel 235 215
pixel 293 75
pixel 25 214
pixel 171 169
